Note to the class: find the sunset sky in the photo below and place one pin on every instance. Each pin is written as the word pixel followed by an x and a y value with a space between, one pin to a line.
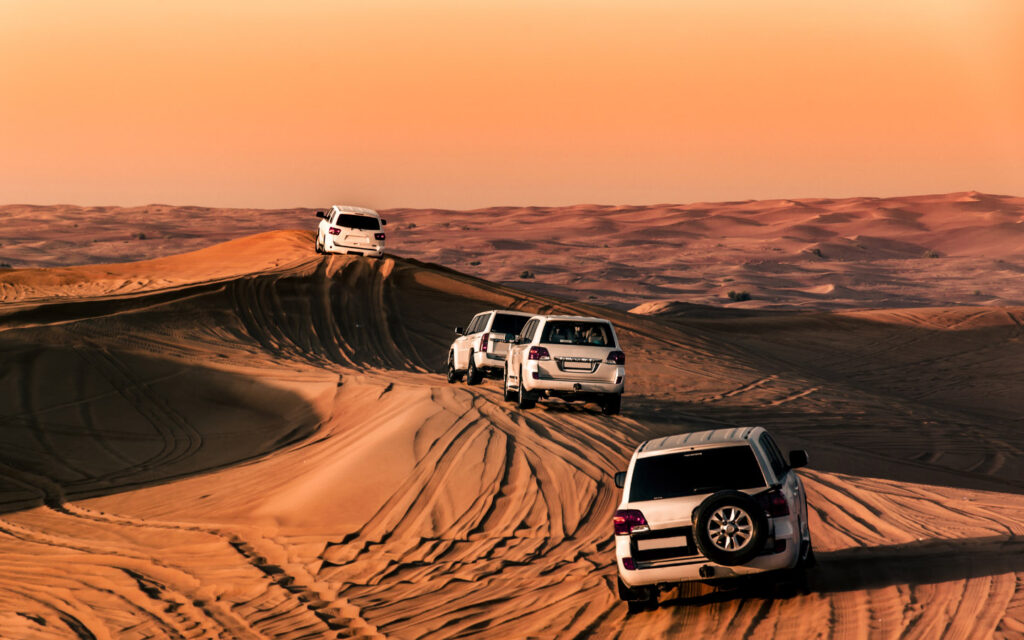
pixel 391 103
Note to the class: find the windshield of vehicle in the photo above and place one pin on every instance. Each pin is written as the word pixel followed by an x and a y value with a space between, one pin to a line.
pixel 691 473
pixel 353 221
pixel 507 323
pixel 596 334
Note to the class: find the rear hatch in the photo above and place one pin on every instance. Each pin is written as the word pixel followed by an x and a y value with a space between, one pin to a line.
pixel 504 329
pixel 358 230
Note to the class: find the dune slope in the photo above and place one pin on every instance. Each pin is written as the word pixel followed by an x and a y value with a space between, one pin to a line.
pixel 266 449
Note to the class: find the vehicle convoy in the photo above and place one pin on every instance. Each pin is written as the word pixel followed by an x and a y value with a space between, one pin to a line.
pixel 480 348
pixel 568 357
pixel 713 506
pixel 351 230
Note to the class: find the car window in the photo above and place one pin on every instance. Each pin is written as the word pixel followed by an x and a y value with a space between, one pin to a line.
pixel 508 323
pixel 477 324
pixel 354 221
pixel 527 333
pixel 596 334
pixel 690 473
pixel 775 458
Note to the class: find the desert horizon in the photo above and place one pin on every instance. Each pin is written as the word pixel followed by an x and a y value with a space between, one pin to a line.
pixel 210 430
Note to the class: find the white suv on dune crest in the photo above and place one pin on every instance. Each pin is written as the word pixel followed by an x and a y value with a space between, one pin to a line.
pixel 481 347
pixel 712 506
pixel 568 357
pixel 351 230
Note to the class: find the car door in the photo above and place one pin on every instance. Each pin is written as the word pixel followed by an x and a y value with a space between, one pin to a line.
pixel 464 342
pixel 791 486
pixel 516 351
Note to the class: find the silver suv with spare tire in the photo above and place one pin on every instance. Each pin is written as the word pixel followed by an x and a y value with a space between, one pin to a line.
pixel 709 506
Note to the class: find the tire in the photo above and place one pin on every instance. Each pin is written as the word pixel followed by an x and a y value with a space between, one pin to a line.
pixel 639 599
pixel 452 375
pixel 525 399
pixel 473 375
pixel 729 528
pixel 316 245
pixel 510 395
pixel 611 405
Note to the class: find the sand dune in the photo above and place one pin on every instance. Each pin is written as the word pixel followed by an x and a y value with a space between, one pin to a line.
pixel 933 250
pixel 253 441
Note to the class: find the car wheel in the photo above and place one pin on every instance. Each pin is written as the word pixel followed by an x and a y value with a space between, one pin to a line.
pixel 729 528
pixel 639 599
pixel 316 245
pixel 473 375
pixel 510 395
pixel 612 404
pixel 453 375
pixel 526 400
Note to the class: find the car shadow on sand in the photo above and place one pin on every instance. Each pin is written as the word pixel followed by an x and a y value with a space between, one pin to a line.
pixel 866 568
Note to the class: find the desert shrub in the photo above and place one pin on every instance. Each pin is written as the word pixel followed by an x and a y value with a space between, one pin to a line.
pixel 5 265
pixel 816 251
pixel 474 263
pixel 411 225
pixel 141 236
pixel 739 296
pixel 526 274
pixel 931 253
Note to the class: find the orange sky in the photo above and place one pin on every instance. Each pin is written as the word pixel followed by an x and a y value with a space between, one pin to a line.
pixel 467 104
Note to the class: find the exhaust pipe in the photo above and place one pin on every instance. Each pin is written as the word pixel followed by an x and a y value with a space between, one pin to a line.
pixel 577 387
pixel 706 571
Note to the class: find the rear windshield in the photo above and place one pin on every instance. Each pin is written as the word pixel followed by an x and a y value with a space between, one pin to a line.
pixel 506 323
pixel 694 472
pixel 597 334
pixel 353 221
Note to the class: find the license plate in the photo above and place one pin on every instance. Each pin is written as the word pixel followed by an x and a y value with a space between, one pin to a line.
pixel 577 366
pixel 662 543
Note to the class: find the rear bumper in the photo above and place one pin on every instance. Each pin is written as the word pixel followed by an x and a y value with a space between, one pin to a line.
pixel 373 250
pixel 688 569
pixel 607 379
pixel 489 360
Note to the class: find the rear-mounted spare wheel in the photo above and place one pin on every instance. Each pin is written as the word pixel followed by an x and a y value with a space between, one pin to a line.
pixel 729 528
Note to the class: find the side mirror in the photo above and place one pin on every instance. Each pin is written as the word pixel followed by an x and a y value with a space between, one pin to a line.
pixel 620 479
pixel 383 223
pixel 320 214
pixel 459 331
pixel 797 458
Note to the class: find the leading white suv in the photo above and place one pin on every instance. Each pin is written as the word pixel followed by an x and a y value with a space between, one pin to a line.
pixel 710 505
pixel 352 230
pixel 480 348
pixel 568 357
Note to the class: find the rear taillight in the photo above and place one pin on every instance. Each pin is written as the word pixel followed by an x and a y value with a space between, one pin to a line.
pixel 775 504
pixel 379 236
pixel 539 353
pixel 334 231
pixel 483 342
pixel 628 564
pixel 617 357
pixel 627 521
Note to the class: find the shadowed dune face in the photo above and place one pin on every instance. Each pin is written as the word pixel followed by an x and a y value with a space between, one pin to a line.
pixel 272 452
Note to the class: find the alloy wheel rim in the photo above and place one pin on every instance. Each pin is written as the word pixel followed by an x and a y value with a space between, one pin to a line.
pixel 730 528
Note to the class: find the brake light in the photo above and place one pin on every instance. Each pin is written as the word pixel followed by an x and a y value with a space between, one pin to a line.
pixel 483 342
pixel 334 231
pixel 617 357
pixel 775 504
pixel 539 353
pixel 379 236
pixel 628 564
pixel 627 521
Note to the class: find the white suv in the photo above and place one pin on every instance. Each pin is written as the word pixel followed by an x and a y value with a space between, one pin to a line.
pixel 708 506
pixel 352 230
pixel 481 347
pixel 568 357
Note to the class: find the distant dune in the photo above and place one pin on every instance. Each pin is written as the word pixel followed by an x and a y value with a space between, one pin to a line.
pixel 952 249
pixel 249 440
